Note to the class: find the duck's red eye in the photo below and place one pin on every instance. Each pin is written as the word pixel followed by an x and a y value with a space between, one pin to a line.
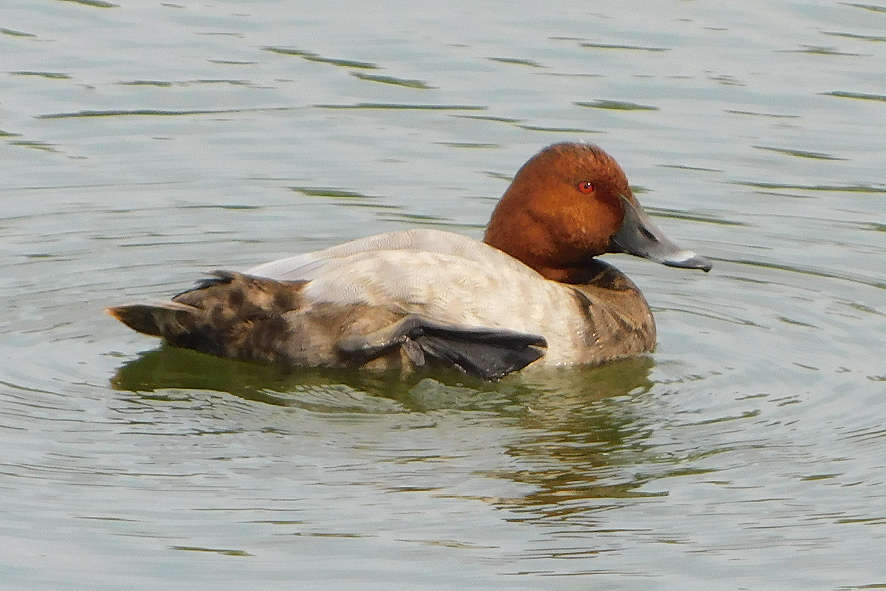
pixel 586 187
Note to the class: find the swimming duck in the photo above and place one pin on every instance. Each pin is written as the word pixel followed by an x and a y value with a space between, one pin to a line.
pixel 532 292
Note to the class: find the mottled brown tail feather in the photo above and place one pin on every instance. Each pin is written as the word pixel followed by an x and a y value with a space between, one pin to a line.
pixel 229 315
pixel 144 317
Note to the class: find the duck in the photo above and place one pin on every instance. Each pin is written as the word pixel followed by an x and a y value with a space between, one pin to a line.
pixel 531 294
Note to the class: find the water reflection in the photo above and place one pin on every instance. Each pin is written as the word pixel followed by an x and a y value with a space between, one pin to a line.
pixel 550 398
pixel 585 427
pixel 316 389
pixel 577 427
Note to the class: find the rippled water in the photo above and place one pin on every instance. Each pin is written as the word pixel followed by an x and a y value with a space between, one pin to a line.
pixel 145 143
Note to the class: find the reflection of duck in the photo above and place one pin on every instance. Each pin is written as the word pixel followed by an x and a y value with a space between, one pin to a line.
pixel 531 292
pixel 551 399
pixel 321 389
pixel 582 438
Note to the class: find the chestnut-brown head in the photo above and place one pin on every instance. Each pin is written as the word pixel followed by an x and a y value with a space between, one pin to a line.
pixel 568 204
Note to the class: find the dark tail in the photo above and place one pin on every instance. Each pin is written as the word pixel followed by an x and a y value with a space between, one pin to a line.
pixel 229 315
pixel 155 319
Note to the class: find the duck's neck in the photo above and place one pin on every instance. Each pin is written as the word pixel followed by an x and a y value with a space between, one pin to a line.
pixel 528 240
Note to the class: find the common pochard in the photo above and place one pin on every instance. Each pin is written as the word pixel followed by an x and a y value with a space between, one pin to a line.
pixel 531 293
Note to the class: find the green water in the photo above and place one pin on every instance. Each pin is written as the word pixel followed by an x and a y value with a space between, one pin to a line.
pixel 145 144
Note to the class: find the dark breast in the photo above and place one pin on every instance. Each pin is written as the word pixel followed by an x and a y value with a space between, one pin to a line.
pixel 619 322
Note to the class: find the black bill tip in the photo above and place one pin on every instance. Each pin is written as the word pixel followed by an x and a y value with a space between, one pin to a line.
pixel 686 259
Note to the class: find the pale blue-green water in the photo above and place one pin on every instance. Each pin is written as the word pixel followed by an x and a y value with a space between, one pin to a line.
pixel 146 143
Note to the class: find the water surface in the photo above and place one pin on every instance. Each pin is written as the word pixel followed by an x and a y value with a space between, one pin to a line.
pixel 147 143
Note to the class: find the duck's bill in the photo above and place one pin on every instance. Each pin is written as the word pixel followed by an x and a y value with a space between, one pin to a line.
pixel 640 237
